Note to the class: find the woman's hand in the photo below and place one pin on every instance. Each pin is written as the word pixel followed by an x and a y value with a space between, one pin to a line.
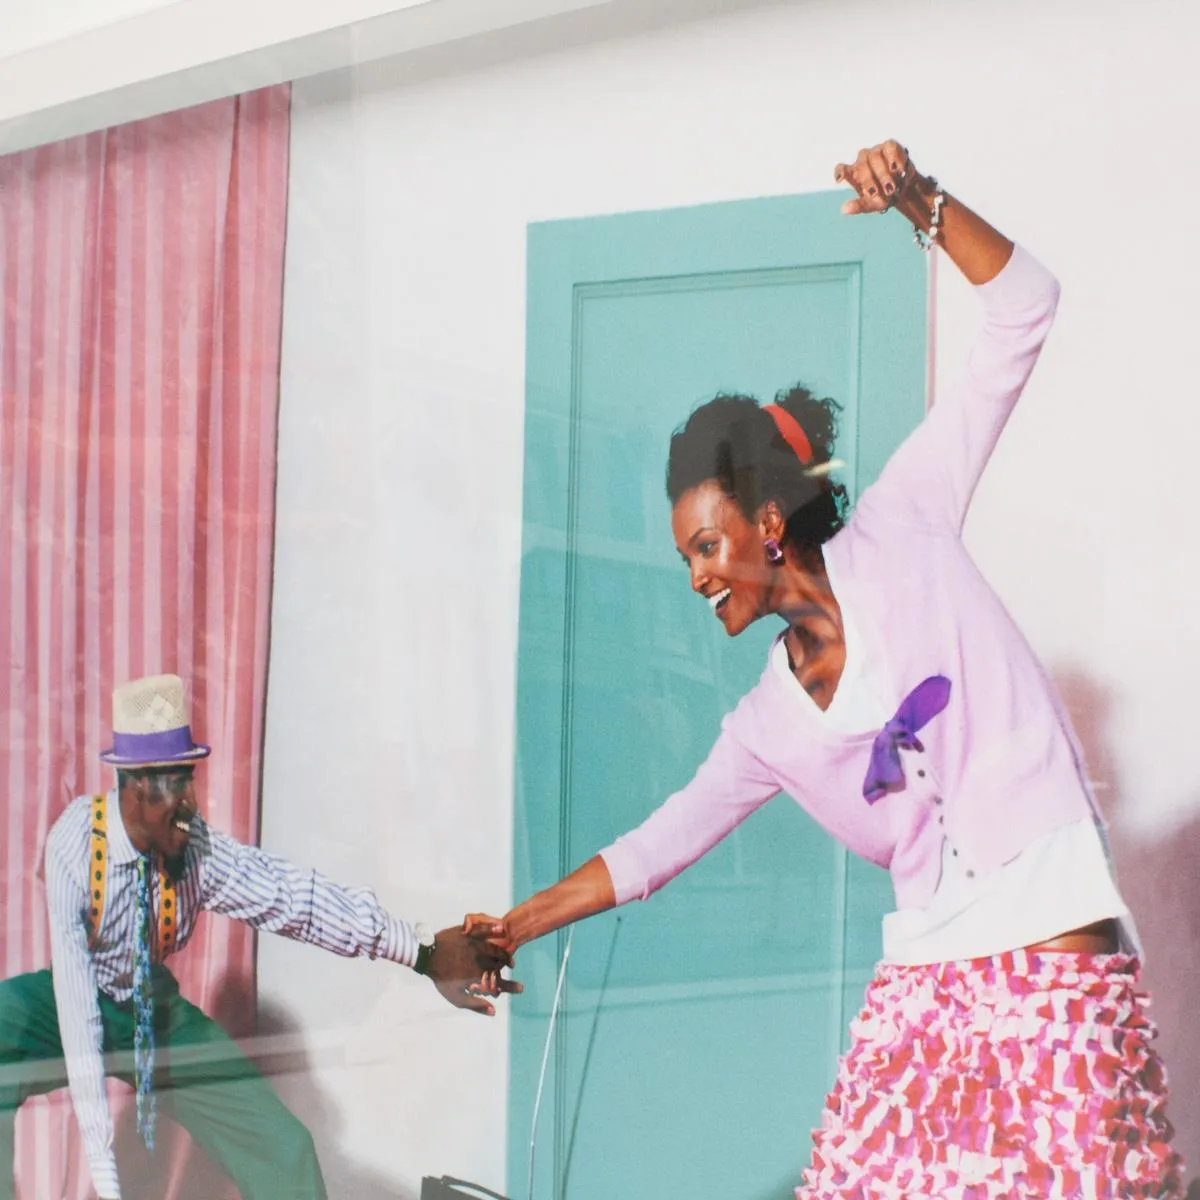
pixel 884 177
pixel 492 930
pixel 881 175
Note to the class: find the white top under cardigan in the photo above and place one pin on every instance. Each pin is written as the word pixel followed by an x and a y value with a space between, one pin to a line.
pixel 1060 882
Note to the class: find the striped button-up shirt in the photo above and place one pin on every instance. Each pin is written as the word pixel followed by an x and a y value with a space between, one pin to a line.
pixel 220 875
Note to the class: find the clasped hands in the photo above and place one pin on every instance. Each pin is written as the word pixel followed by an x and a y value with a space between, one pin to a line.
pixel 468 962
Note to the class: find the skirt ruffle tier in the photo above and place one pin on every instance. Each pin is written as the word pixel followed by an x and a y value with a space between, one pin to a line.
pixel 1019 1076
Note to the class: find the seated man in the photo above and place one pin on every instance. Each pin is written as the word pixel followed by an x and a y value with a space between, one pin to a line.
pixel 126 876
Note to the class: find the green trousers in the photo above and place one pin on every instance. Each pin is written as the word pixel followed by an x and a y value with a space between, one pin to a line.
pixel 202 1080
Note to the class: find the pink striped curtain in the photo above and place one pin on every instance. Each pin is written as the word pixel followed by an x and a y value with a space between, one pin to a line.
pixel 141 274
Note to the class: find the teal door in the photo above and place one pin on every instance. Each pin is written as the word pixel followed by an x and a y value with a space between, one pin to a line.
pixel 700 1030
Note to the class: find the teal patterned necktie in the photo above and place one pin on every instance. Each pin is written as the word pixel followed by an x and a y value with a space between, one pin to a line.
pixel 143 1004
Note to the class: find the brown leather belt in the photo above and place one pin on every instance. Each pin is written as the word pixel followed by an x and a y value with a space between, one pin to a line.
pixel 1098 938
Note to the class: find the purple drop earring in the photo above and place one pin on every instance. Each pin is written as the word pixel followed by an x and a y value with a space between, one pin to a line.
pixel 774 551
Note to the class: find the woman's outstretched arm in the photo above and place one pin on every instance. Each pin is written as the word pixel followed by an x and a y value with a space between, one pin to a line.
pixel 585 892
pixel 727 787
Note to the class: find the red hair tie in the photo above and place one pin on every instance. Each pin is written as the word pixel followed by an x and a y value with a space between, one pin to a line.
pixel 791 432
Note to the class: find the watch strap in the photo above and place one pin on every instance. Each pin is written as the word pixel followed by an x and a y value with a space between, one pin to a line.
pixel 424 957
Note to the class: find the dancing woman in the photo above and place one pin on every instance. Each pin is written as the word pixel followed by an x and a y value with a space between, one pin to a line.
pixel 1004 1047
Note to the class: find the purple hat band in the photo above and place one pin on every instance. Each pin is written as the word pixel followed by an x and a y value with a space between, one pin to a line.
pixel 171 745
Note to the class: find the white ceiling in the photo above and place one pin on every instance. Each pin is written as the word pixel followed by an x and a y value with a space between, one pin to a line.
pixel 73 66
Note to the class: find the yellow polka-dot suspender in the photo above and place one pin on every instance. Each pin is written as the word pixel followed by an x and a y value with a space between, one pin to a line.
pixel 98 885
pixel 97 868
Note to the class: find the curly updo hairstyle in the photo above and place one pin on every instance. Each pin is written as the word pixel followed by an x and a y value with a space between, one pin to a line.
pixel 733 441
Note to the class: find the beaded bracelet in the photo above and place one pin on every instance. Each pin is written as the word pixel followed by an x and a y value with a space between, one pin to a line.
pixel 927 240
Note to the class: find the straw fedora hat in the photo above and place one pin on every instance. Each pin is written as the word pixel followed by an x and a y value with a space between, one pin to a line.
pixel 150 725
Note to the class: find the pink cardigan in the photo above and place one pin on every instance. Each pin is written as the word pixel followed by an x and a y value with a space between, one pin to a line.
pixel 1001 761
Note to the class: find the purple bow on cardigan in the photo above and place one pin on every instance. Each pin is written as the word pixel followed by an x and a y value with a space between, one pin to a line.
pixel 916 710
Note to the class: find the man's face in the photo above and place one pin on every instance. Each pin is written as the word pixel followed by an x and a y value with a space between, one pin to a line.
pixel 163 803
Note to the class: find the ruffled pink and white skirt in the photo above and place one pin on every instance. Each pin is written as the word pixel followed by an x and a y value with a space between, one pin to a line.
pixel 1020 1076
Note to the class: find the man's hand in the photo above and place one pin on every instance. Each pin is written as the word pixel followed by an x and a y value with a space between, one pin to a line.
pixel 467 969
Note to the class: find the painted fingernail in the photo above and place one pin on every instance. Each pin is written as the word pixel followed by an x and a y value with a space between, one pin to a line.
pixel 889 187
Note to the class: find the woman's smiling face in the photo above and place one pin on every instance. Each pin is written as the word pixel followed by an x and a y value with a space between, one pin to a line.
pixel 724 553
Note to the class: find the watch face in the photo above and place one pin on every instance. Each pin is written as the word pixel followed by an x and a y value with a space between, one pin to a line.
pixel 424 934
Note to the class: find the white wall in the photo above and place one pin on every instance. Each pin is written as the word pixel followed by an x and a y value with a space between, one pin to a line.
pixel 390 723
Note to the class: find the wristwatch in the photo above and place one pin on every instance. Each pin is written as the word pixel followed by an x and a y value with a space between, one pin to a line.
pixel 426 944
